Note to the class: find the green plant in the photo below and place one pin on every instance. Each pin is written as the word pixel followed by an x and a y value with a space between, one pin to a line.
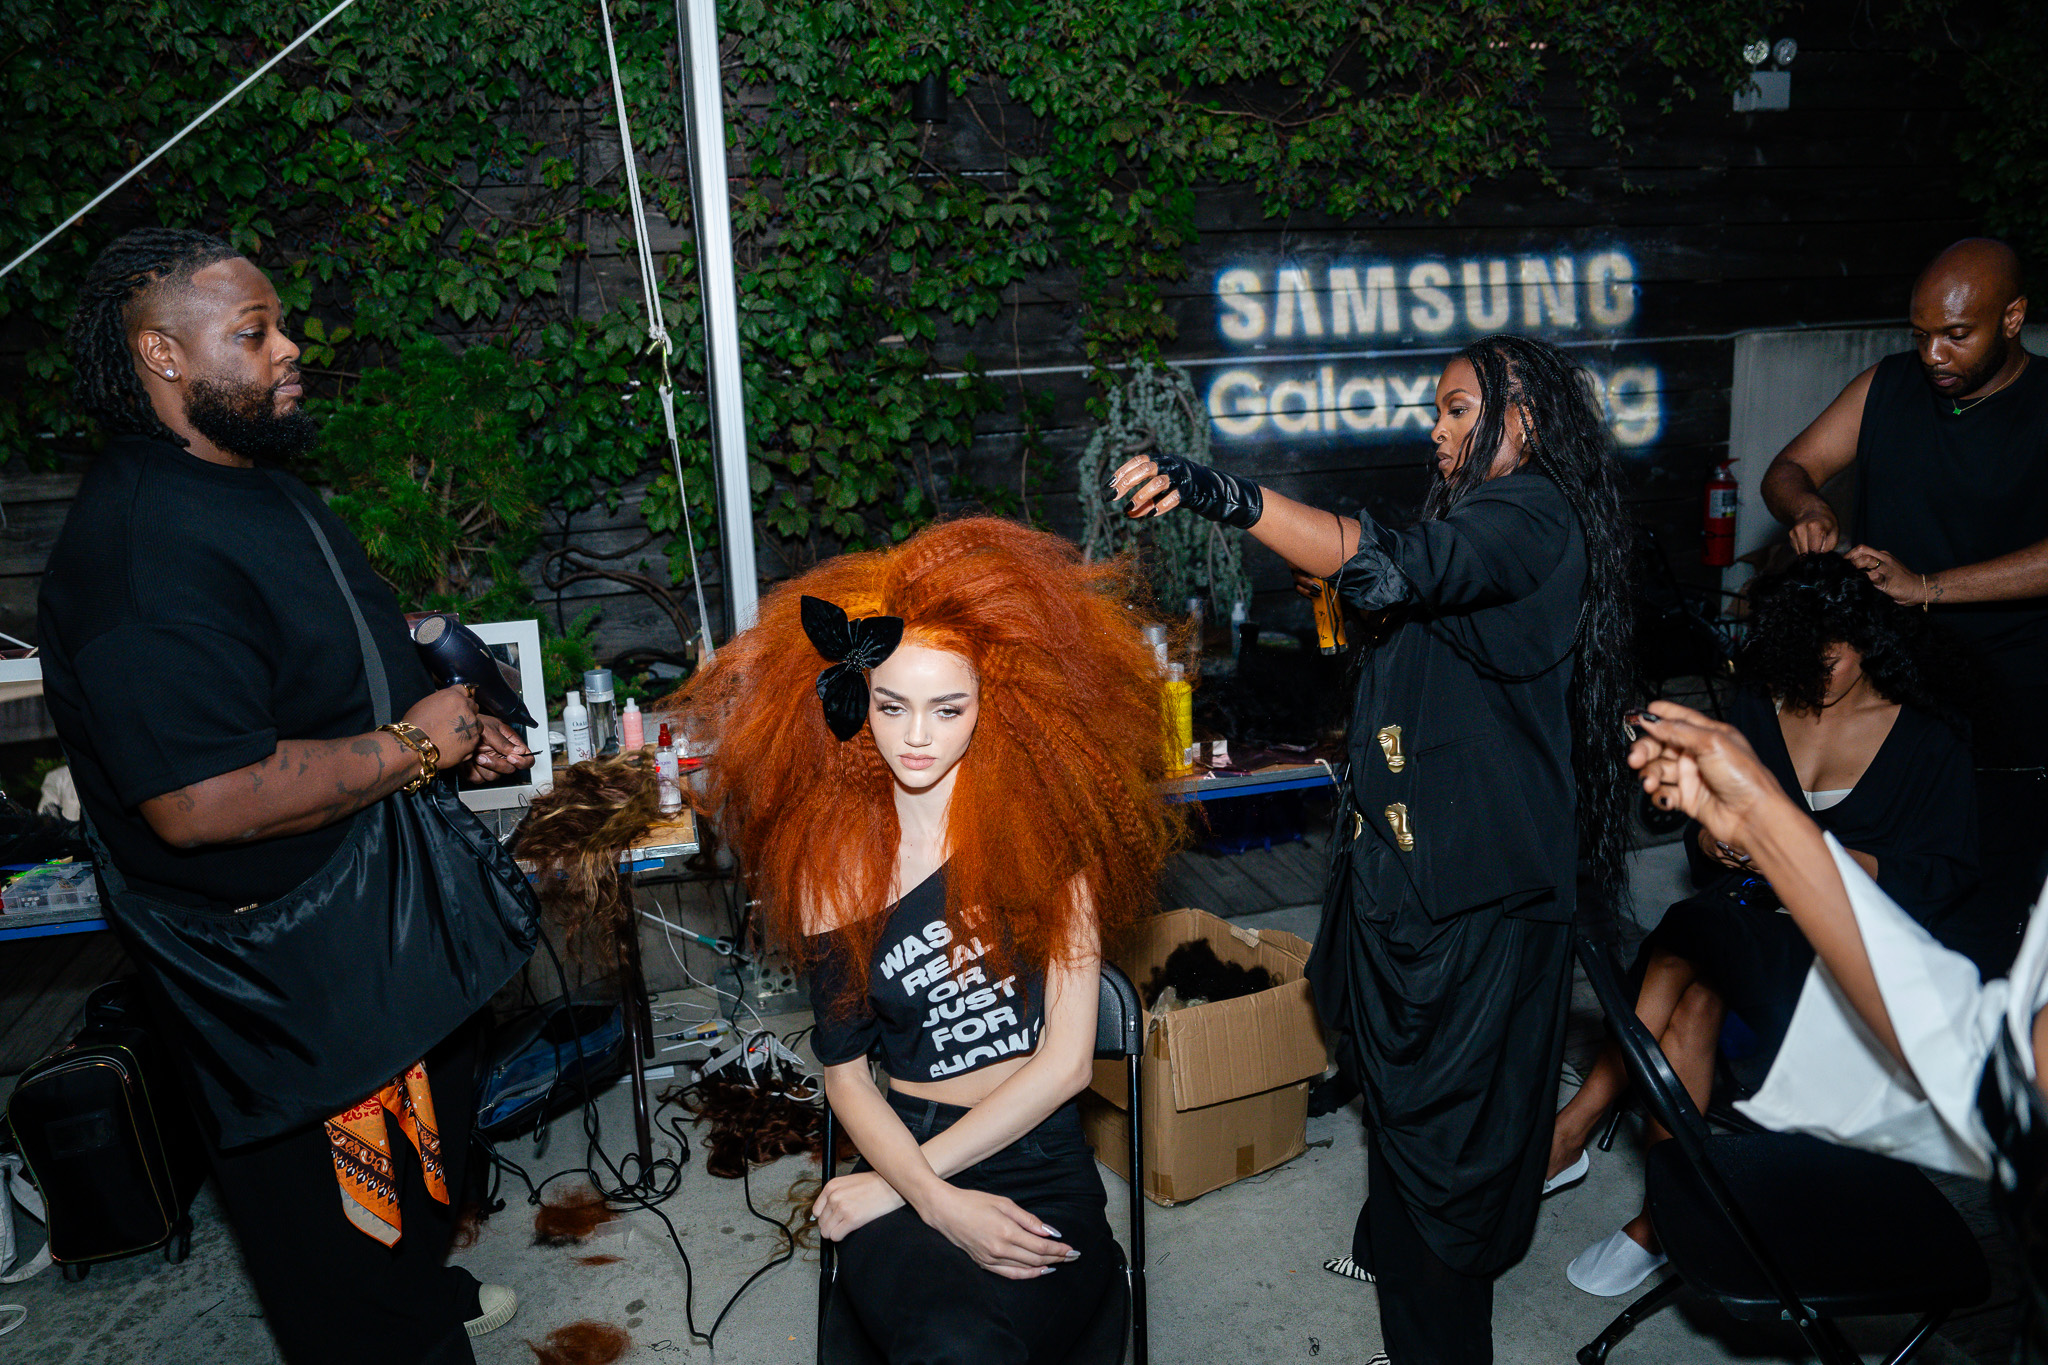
pixel 2003 150
pixel 429 472
pixel 566 654
pixel 1156 409
pixel 435 170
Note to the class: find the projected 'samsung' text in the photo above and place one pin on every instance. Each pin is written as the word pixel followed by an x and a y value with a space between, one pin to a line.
pixel 1431 298
pixel 1332 331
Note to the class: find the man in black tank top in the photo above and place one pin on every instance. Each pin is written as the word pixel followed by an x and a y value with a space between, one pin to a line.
pixel 1949 444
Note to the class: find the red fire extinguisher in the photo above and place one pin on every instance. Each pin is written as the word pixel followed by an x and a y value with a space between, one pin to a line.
pixel 1717 546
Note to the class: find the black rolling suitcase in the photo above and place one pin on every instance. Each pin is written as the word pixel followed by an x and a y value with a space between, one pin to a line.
pixel 108 1140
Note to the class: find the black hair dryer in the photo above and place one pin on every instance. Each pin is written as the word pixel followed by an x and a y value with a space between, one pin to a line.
pixel 457 656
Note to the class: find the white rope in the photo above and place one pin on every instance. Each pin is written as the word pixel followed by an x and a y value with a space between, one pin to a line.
pixel 176 138
pixel 657 329
pixel 657 326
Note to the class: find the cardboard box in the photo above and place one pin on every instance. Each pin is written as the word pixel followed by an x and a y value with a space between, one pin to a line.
pixel 1224 1085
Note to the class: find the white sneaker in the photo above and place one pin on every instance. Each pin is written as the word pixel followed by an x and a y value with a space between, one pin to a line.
pixel 1570 1175
pixel 1613 1266
pixel 498 1303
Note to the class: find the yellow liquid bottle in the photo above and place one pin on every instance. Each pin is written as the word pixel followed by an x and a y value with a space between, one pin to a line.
pixel 1180 717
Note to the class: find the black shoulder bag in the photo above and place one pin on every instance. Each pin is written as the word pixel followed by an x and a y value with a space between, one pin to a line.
pixel 291 1011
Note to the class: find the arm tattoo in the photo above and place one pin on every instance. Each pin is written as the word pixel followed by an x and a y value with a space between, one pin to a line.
pixel 291 800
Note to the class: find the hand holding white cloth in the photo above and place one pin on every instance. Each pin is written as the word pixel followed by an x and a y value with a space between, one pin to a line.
pixel 1837 1076
pixel 1833 1079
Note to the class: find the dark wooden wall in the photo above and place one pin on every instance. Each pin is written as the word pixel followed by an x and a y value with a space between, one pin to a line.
pixel 1819 215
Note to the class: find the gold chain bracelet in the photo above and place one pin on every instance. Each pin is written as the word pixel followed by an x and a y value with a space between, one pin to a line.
pixel 415 739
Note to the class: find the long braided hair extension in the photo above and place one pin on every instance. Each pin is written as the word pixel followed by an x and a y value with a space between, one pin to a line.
pixel 1566 438
pixel 106 386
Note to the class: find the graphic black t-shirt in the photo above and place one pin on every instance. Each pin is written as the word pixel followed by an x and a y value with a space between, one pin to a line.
pixel 189 623
pixel 932 1007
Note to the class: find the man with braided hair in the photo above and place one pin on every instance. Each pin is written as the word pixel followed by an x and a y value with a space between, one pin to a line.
pixel 207 680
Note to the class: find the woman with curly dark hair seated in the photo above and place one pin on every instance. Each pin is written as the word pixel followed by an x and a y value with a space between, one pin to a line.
pixel 1848 698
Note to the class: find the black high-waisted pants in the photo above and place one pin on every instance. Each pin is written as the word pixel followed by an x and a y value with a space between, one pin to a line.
pixel 923 1301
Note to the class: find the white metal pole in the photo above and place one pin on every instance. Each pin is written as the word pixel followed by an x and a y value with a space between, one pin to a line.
pixel 704 104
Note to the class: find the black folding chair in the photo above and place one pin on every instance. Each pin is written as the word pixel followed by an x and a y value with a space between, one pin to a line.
pixel 1119 1032
pixel 1777 1227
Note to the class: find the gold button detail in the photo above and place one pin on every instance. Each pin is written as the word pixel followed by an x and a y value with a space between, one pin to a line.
pixel 1390 745
pixel 1357 824
pixel 1397 818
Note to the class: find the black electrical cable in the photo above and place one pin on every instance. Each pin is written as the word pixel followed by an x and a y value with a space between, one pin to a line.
pixel 788 1248
pixel 623 1190
pixel 739 908
pixel 500 1163
pixel 644 1193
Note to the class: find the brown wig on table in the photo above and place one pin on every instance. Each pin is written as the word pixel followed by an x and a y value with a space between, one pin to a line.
pixel 574 834
pixel 1059 783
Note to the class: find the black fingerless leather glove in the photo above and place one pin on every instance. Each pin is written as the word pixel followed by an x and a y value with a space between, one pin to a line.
pixel 1210 492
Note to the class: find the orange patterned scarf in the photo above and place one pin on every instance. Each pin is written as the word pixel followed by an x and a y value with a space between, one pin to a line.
pixel 361 1140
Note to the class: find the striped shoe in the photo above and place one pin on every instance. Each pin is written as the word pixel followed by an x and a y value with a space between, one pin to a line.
pixel 1350 1270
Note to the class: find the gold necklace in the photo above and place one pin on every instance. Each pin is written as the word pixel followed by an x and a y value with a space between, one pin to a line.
pixel 1959 407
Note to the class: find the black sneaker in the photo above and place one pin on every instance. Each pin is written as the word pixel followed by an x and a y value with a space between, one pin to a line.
pixel 1330 1094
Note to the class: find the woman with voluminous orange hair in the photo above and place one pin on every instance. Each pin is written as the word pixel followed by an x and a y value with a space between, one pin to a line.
pixel 939 766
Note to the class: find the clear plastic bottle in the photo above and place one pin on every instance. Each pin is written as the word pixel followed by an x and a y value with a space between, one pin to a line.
pixel 604 715
pixel 1155 636
pixel 667 780
pixel 576 730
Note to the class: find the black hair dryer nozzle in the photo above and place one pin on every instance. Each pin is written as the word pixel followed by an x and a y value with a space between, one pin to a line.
pixel 457 655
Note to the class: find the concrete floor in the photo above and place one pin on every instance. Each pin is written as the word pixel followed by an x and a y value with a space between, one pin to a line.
pixel 1234 1277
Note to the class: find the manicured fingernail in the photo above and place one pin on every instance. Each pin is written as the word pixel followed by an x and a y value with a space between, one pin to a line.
pixel 1073 1255
pixel 1048 1230
pixel 1047 1269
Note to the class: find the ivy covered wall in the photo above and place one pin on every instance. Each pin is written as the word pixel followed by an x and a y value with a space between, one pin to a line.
pixel 1308 200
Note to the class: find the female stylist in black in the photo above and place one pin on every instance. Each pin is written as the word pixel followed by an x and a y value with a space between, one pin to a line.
pixel 1487 758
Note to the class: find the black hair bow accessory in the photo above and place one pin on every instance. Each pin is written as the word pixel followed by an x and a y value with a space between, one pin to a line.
pixel 853 647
